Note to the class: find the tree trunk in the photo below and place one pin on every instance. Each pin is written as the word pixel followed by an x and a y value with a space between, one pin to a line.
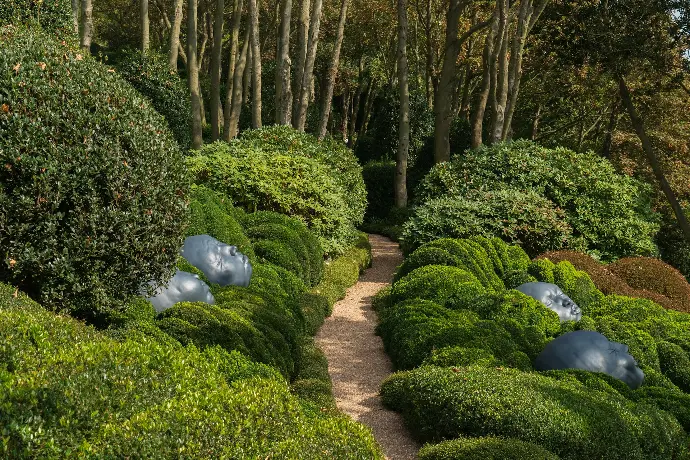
pixel 87 25
pixel 355 107
pixel 301 58
pixel 216 108
pixel 483 96
pixel 611 127
pixel 443 97
pixel 535 123
pixel 247 76
pixel 347 102
pixel 308 74
pixel 144 18
pixel 638 124
pixel 368 103
pixel 404 122
pixel 332 71
pixel 236 107
pixel 75 15
pixel 174 40
pixel 499 76
pixel 193 75
pixel 283 89
pixel 256 64
pixel 231 79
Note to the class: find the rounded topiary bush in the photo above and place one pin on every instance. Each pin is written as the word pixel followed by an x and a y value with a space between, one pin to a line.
pixel 524 218
pixel 150 75
pixel 92 194
pixel 485 448
pixel 610 214
pixel 448 286
pixel 53 16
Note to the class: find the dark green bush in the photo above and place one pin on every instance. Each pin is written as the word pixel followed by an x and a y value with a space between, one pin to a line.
pixel 448 286
pixel 673 246
pixel 485 448
pixel 68 391
pixel 379 178
pixel 151 76
pixel 342 272
pixel 675 363
pixel 610 214
pixel 524 218
pixel 564 417
pixel 92 201
pixel 461 357
pixel 54 16
pixel 672 401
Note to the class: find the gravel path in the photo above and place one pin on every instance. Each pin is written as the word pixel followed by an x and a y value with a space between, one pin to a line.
pixel 357 362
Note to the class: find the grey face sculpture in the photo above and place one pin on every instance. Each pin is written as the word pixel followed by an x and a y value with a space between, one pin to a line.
pixel 590 351
pixel 552 296
pixel 220 262
pixel 183 287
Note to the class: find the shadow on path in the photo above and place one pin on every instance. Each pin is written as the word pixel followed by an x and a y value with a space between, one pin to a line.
pixel 357 362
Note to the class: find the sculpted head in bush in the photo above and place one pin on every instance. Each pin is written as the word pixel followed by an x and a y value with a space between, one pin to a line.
pixel 221 263
pixel 590 351
pixel 92 194
pixel 183 287
pixel 554 298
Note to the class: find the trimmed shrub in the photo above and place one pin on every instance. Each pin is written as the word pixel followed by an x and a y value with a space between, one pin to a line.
pixel 448 286
pixel 485 448
pixel 92 201
pixel 312 381
pixel 656 276
pixel 287 183
pixel 426 255
pixel 518 307
pixel 460 356
pixel 150 75
pixel 675 363
pixel 564 417
pixel 54 16
pixel 515 278
pixel 610 214
pixel 524 218
pixel 673 401
pixel 379 178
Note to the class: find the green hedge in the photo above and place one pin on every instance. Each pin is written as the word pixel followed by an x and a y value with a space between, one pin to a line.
pixel 485 448
pixel 563 417
pixel 610 214
pixel 54 16
pixel 150 74
pixel 524 218
pixel 69 391
pixel 92 202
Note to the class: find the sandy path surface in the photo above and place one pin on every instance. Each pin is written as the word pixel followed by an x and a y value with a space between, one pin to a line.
pixel 357 361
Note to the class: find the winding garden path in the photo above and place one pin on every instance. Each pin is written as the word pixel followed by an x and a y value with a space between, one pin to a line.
pixel 357 361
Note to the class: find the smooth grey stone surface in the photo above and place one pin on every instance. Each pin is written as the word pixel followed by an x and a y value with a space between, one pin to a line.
pixel 221 263
pixel 590 351
pixel 553 297
pixel 183 287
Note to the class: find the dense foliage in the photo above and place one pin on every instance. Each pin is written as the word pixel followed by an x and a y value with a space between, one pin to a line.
pixel 150 75
pixel 54 16
pixel 610 214
pixel 379 177
pixel 524 218
pixel 450 313
pixel 92 194
pixel 278 169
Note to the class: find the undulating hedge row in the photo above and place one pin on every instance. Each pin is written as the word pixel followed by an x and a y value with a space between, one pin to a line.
pixel 467 342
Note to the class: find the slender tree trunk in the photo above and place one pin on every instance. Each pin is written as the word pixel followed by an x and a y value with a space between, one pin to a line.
pixel 216 108
pixel 174 39
pixel 144 18
pixel 256 63
pixel 193 75
pixel 611 127
pixel 535 123
pixel 428 86
pixel 87 24
pixel 355 107
pixel 247 76
pixel 75 15
pixel 231 79
pixel 638 124
pixel 332 71
pixel 499 76
pixel 347 102
pixel 368 103
pixel 483 96
pixel 303 40
pixel 404 122
pixel 283 89
pixel 236 107
pixel 308 74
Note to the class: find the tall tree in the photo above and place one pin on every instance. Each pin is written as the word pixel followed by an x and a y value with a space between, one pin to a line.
pixel 232 68
pixel 256 63
pixel 216 108
pixel 303 38
pixel 235 109
pixel 193 74
pixel 174 39
pixel 283 89
pixel 477 120
pixel 308 73
pixel 332 71
pixel 87 24
pixel 144 18
pixel 404 123
pixel 75 15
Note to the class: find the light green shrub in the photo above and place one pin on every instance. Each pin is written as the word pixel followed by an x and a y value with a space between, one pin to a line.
pixel 485 448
